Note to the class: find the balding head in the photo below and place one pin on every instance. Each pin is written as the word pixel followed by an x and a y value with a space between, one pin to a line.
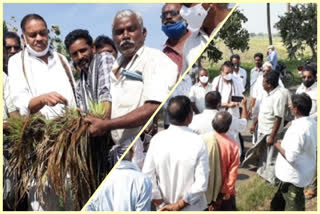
pixel 212 100
pixel 222 121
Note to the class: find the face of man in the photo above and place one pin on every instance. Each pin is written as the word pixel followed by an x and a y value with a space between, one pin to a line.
pixel 203 73
pixel 258 62
pixel 170 13
pixel 267 69
pixel 226 73
pixel 266 86
pixel 36 35
pixel 12 46
pixel 307 78
pixel 128 35
pixel 81 54
pixel 107 48
pixel 5 60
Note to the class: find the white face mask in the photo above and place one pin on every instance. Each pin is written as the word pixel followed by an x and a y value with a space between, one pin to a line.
pixel 36 53
pixel 194 16
pixel 228 77
pixel 204 79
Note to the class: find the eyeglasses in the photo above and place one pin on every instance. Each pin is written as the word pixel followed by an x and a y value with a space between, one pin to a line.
pixel 171 13
pixel 16 48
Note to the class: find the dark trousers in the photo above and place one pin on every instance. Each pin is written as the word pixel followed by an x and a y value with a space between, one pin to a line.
pixel 289 198
pixel 227 205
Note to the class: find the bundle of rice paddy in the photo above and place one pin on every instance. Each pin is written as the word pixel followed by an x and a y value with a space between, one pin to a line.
pixel 50 151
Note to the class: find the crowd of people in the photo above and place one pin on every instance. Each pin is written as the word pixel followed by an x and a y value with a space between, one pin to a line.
pixel 128 78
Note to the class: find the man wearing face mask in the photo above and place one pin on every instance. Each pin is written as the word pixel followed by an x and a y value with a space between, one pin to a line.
pixel 199 90
pixel 176 30
pixel 203 19
pixel 309 86
pixel 94 69
pixel 40 80
pixel 228 86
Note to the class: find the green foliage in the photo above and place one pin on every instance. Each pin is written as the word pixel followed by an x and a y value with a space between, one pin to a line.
pixel 298 29
pixel 4 27
pixel 234 36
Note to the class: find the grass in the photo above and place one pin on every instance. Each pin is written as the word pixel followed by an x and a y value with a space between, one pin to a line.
pixel 255 195
pixel 258 44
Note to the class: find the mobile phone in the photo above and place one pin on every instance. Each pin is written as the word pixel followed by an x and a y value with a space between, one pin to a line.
pixel 236 99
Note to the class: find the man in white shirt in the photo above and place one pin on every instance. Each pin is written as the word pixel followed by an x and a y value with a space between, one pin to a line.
pixel 238 71
pixel 309 86
pixel 179 175
pixel 228 85
pixel 127 189
pixel 140 80
pixel 203 19
pixel 296 163
pixel 199 90
pixel 256 71
pixel 202 123
pixel 270 126
pixel 40 80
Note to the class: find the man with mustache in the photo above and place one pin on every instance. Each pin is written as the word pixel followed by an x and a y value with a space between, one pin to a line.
pixel 94 69
pixel 40 80
pixel 11 43
pixel 140 80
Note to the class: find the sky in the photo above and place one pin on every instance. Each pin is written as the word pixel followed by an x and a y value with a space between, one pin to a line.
pixel 95 17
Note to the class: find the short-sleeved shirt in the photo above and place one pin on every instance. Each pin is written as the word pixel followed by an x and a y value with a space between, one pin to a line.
pixel 312 92
pixel 159 75
pixel 254 74
pixel 272 106
pixel 197 94
pixel 242 74
pixel 8 106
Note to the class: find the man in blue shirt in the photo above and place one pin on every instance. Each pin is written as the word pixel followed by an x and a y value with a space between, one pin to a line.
pixel 272 57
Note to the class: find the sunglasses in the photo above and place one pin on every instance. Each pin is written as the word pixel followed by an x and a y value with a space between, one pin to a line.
pixel 171 13
pixel 16 48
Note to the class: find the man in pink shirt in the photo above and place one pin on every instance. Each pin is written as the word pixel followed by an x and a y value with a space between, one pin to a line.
pixel 229 162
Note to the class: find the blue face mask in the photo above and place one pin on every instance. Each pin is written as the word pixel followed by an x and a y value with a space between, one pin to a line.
pixel 175 30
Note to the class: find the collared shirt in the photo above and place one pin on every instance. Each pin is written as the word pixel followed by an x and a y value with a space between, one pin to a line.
pixel 312 92
pixel 254 74
pixel 272 106
pixel 300 145
pixel 127 189
pixel 202 124
pixel 173 53
pixel 242 74
pixel 227 90
pixel 177 163
pixel 229 162
pixel 273 58
pixel 95 84
pixel 8 106
pixel 193 47
pixel 42 78
pixel 258 89
pixel 159 75
pixel 197 94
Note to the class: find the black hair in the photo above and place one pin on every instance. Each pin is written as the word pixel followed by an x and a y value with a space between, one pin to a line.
pixel 212 99
pixel 226 64
pixel 234 56
pixel 222 121
pixel 75 35
pixel 310 67
pixel 302 102
pixel 103 40
pixel 179 108
pixel 11 35
pixel 260 55
pixel 29 17
pixel 272 78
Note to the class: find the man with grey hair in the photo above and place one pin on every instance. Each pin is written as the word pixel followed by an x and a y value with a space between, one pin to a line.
pixel 141 78
pixel 127 189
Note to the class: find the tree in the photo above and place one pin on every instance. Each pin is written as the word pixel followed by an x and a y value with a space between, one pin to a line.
pixel 4 27
pixel 269 24
pixel 298 29
pixel 234 36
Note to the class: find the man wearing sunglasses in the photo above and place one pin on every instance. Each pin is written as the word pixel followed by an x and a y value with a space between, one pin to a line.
pixel 175 28
pixel 203 19
pixel 12 43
